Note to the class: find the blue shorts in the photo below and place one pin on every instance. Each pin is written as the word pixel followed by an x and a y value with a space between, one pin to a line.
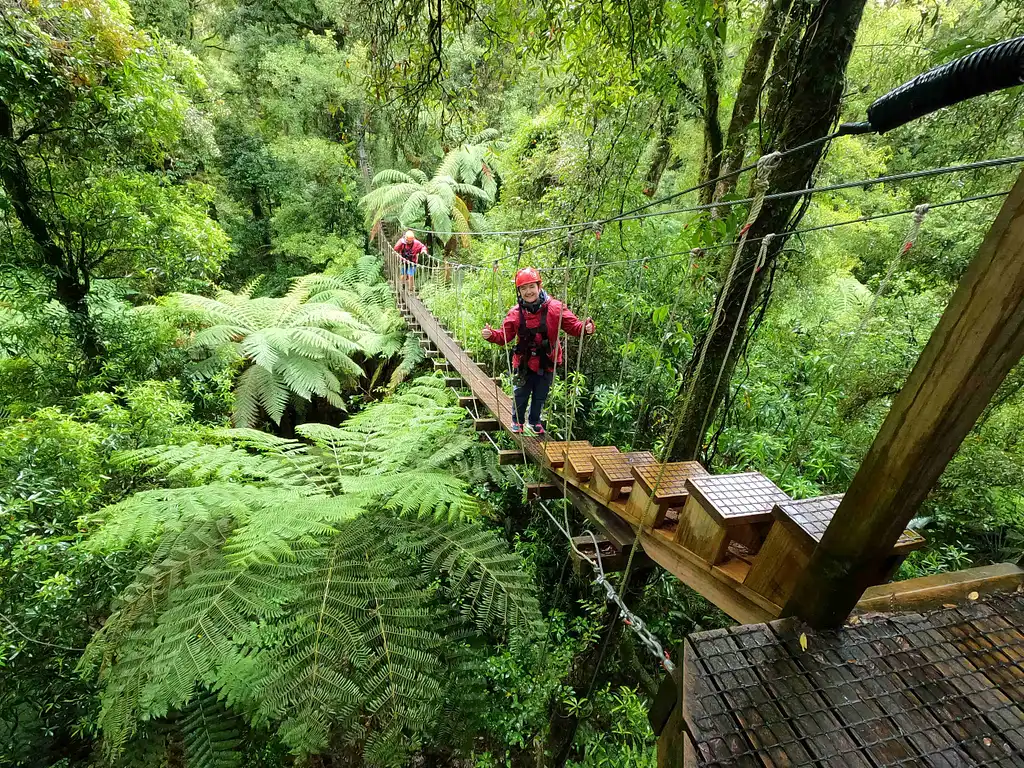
pixel 408 269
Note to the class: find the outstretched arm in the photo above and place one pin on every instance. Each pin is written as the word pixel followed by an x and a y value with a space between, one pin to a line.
pixel 507 332
pixel 573 325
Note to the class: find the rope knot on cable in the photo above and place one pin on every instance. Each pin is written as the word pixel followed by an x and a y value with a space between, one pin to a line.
pixel 915 227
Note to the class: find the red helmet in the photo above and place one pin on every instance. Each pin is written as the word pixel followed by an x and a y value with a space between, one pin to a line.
pixel 527 275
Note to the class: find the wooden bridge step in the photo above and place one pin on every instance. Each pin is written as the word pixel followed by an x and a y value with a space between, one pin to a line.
pixel 798 528
pixel 556 451
pixel 467 401
pixel 727 508
pixel 650 507
pixel 613 475
pixel 455 382
pixel 486 425
pixel 613 559
pixel 542 491
pixel 510 457
pixel 581 463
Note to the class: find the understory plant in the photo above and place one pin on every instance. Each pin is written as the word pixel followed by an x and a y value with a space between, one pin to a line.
pixel 339 592
pixel 318 340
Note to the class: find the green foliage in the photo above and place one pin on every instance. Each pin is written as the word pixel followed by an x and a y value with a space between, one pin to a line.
pixel 56 466
pixel 301 345
pixel 286 584
pixel 440 204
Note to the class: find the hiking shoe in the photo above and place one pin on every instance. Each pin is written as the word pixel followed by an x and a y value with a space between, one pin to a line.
pixel 517 428
pixel 538 429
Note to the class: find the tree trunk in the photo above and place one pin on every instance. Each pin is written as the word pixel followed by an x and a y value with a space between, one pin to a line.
pixel 71 278
pixel 749 92
pixel 812 107
pixel 662 149
pixel 711 70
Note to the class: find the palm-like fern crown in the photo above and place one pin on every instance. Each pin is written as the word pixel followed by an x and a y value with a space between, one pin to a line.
pixel 475 163
pixel 291 578
pixel 411 199
pixel 303 344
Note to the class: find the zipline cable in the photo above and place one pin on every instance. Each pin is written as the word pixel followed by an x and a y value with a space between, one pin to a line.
pixel 908 242
pixel 786 233
pixel 908 175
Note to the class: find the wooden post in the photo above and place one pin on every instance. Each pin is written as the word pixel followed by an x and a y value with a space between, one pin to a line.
pixel 978 340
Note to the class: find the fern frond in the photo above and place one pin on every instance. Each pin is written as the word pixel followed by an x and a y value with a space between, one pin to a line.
pixel 479 570
pixel 420 493
pixel 211 735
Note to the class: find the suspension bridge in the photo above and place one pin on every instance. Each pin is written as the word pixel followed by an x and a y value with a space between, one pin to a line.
pixel 829 665
pixel 923 672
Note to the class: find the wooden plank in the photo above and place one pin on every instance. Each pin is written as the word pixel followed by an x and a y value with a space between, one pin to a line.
pixel 777 567
pixel 556 452
pixel 455 382
pixel 750 703
pixel 506 458
pixel 468 401
pixel 581 463
pixel 979 338
pixel 744 498
pixel 670 479
pixel 741 605
pixel 542 491
pixel 717 733
pixel 486 425
pixel 795 696
pixel 871 711
pixel 929 592
pixel 700 533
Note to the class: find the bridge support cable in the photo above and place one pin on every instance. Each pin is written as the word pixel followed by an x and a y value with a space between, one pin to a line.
pixel 844 356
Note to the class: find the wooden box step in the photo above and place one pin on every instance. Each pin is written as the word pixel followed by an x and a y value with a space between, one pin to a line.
pixel 613 559
pixel 613 473
pixel 507 457
pixel 486 425
pixel 798 528
pixel 453 381
pixel 655 491
pixel 581 463
pixel 727 508
pixel 467 401
pixel 556 451
pixel 543 491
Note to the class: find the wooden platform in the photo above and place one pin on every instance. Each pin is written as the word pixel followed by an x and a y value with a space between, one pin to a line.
pixel 944 688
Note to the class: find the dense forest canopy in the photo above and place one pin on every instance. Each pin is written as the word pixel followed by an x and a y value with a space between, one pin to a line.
pixel 242 523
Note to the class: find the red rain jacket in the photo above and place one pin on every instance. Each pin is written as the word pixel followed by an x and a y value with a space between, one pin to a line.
pixel 556 309
pixel 410 251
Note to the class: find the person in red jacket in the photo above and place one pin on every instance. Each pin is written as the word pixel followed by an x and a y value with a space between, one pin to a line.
pixel 534 320
pixel 409 248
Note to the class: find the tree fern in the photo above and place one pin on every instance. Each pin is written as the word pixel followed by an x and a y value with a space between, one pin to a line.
pixel 411 199
pixel 324 589
pixel 306 344
pixel 480 571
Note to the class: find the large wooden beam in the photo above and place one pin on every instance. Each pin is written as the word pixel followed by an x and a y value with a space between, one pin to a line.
pixel 932 592
pixel 978 340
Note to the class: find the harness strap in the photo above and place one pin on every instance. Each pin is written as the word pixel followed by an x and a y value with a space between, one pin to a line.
pixel 535 343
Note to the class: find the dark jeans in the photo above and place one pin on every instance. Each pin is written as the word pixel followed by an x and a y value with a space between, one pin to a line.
pixel 535 389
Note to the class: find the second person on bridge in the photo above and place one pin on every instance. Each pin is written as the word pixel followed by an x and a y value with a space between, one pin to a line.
pixel 534 320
